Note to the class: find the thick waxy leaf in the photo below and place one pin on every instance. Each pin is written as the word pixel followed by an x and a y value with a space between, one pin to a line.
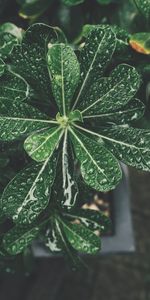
pixel 66 247
pixel 65 73
pixel 99 167
pixel 144 7
pixel 130 145
pixel 72 2
pixel 132 111
pixel 18 238
pixel 41 145
pixel 52 240
pixel 10 35
pixel 13 87
pixel 94 57
pixel 30 58
pixel 94 220
pixel 109 94
pixel 70 188
pixel 33 8
pixel 20 119
pixel 31 187
pixel 140 42
pixel 81 238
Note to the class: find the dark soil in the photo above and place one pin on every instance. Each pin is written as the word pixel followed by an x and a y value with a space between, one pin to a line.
pixel 117 277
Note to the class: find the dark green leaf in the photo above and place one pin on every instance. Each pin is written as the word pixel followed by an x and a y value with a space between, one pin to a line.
pixel 13 87
pixel 65 73
pixel 70 188
pixel 144 7
pixel 94 57
pixel 20 119
pixel 81 238
pixel 42 145
pixel 28 194
pixel 110 94
pixel 30 58
pixel 132 111
pixel 18 238
pixel 130 145
pixel 94 220
pixel 99 167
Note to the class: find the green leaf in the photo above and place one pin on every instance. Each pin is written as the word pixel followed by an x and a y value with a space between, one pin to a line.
pixel 99 167
pixel 41 145
pixel 72 2
pixel 33 8
pixel 81 238
pixel 30 58
pixel 65 73
pixel 132 111
pixel 140 42
pixel 70 188
pixel 28 194
pixel 10 35
pixel 12 29
pixel 53 240
pixel 74 260
pixel 144 7
pixel 94 220
pixel 130 145
pixel 20 119
pixel 13 87
pixel 94 57
pixel 110 94
pixel 18 238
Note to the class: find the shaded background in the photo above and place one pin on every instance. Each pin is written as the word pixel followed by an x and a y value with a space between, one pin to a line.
pixel 117 277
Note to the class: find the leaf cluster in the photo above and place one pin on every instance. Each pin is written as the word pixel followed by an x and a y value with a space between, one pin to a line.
pixel 74 119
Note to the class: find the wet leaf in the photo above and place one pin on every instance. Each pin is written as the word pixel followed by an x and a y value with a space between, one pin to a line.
pixel 81 238
pixel 20 119
pixel 110 94
pixel 92 219
pixel 30 58
pixel 99 167
pixel 32 188
pixel 144 7
pixel 132 111
pixel 18 238
pixel 94 57
pixel 69 185
pixel 41 145
pixel 130 145
pixel 65 73
pixel 12 87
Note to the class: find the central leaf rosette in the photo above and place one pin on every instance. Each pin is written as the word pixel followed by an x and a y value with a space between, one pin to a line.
pixel 93 112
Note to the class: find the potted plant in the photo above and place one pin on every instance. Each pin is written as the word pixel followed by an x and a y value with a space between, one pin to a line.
pixel 82 127
pixel 71 111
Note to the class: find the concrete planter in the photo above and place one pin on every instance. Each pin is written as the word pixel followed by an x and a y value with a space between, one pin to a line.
pixel 122 240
